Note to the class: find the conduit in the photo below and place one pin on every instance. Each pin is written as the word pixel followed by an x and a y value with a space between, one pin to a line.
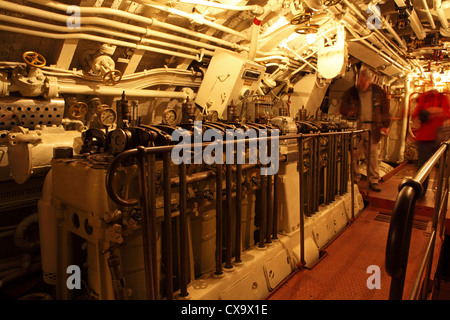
pixel 98 39
pixel 86 11
pixel 83 29
pixel 437 5
pixel 117 91
pixel 254 38
pixel 255 9
pixel 199 19
pixel 429 16
pixel 362 17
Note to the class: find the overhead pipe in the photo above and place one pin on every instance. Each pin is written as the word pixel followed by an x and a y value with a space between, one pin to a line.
pixel 143 31
pixel 99 39
pixel 362 17
pixel 255 9
pixel 437 6
pixel 429 16
pixel 83 29
pixel 85 11
pixel 117 91
pixel 193 17
pixel 378 51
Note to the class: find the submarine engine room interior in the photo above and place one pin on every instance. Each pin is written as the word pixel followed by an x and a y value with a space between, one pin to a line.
pixel 117 166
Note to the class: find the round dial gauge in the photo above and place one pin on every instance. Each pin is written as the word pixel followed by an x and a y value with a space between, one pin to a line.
pixel 169 117
pixel 119 141
pixel 107 117
pixel 214 115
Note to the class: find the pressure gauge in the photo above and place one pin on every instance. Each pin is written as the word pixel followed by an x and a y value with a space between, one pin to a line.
pixel 214 115
pixel 107 117
pixel 119 140
pixel 169 117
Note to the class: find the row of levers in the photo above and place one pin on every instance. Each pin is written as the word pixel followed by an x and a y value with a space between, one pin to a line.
pixel 110 184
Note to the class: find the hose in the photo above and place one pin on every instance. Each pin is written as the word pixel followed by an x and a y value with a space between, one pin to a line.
pixel 25 231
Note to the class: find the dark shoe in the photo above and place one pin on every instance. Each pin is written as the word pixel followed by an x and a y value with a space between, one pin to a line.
pixel 374 187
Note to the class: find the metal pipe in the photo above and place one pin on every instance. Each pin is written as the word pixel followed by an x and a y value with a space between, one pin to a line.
pixel 86 11
pixel 275 206
pixel 424 263
pixel 302 262
pixel 254 9
pixel 228 231
pixel 117 161
pixel 269 209
pixel 315 173
pixel 399 238
pixel 117 91
pixel 352 174
pixel 115 33
pixel 238 212
pixel 183 231
pixel 193 17
pixel 219 175
pixel 437 5
pixel 152 217
pixel 369 151
pixel 429 16
pixel 263 210
pixel 148 271
pixel 65 36
pixel 167 226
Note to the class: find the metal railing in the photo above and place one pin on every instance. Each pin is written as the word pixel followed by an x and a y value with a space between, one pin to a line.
pixel 400 229
pixel 338 152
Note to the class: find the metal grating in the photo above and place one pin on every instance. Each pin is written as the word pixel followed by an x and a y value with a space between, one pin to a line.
pixel 417 223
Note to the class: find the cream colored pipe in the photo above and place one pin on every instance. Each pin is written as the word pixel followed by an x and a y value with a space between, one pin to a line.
pixel 193 17
pixel 361 16
pixel 84 29
pixel 117 91
pixel 255 9
pixel 85 11
pixel 437 5
pixel 85 21
pixel 98 39
pixel 429 16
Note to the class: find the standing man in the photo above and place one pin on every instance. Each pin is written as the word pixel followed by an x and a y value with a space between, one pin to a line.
pixel 367 103
pixel 432 110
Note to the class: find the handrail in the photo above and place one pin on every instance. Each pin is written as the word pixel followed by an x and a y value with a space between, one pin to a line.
pixel 400 229
pixel 268 216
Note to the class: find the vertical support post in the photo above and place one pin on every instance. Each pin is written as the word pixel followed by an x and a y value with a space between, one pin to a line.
pixel 302 262
pixel 167 227
pixel 263 215
pixel 219 197
pixel 369 150
pixel 148 270
pixel 269 209
pixel 183 231
pixel 275 206
pixel 228 232
pixel 352 173
pixel 152 217
pixel 238 212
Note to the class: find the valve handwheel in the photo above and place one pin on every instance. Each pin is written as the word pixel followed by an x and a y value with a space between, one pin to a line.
pixel 78 110
pixel 330 3
pixel 301 18
pixel 100 108
pixel 34 59
pixel 112 77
